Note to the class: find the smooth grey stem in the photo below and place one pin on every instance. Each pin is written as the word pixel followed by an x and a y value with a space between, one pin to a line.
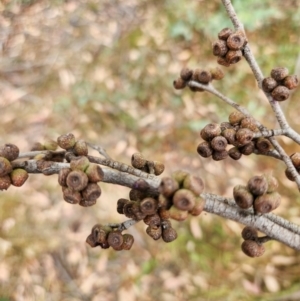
pixel 270 133
pixel 99 149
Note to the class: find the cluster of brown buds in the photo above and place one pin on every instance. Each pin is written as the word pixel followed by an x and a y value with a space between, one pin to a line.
pixel 8 174
pixel 259 193
pixel 152 167
pixel 252 245
pixel 229 47
pixel 80 181
pixel 198 75
pixel 239 132
pixel 106 236
pixel 295 158
pixel 280 83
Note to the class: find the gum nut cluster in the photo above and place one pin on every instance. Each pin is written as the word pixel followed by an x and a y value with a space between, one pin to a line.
pixel 9 176
pixel 251 245
pixel 178 197
pixel 280 83
pixel 105 236
pixel 295 158
pixel 152 167
pixel 238 132
pixel 229 47
pixel 199 75
pixel 259 193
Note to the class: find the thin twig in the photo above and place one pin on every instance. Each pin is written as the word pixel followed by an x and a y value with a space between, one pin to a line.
pixel 99 149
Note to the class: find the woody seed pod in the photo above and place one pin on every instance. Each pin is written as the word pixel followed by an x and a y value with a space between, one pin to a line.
pixel 80 148
pixel 247 149
pixel 233 56
pixel 131 209
pixel 263 145
pixel 94 173
pixel 244 136
pixel 9 151
pixel 18 177
pixel 163 213
pixel 234 153
pixel 120 205
pixel 225 33
pixel 204 149
pixel 5 166
pixel 152 220
pixel 269 84
pixel 272 183
pixel 5 182
pixel 62 176
pixel 249 233
pixel 71 196
pixel 184 199
pixel 243 197
pixel 194 184
pixel 128 241
pixel 168 186
pixel 136 195
pixel 164 202
pixel 90 240
pixel 218 143
pixel 169 234
pixel 198 207
pixel 79 163
pixel 186 74
pixel 281 93
pixel 158 168
pixel 210 131
pixel 222 61
pixel 216 73
pixel 179 84
pixel 154 232
pixel 295 159
pixel 219 48
pixel 100 233
pixel 236 40
pixel 235 117
pixel 148 206
pixel 166 224
pixel 77 180
pixel 219 155
pixel 50 144
pixel 177 214
pixel 279 73
pixel 289 175
pixel 140 185
pixel 291 82
pixel 37 146
pixel 252 249
pixel 66 141
pixel 115 240
pixel 203 76
pixel 91 192
pixel 138 161
pixel 179 176
pixel 229 134
pixel 258 185
pixel 249 123
pixel 267 202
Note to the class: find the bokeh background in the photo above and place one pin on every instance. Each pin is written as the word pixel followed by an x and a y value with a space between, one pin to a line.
pixel 103 70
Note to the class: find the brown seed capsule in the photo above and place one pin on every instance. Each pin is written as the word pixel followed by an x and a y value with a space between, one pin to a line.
pixel 177 214
pixel 140 185
pixel 87 202
pixel 186 74
pixel 269 84
pixel 77 180
pixel 279 73
pixel 198 207
pixel 66 141
pixel 37 146
pixel 247 149
pixel 249 233
pixel 166 224
pixel 179 84
pixel 5 182
pixel 168 186
pixel 91 192
pixel 94 173
pixel 219 48
pixel 295 159
pixel 79 163
pixel 204 149
pixel 120 205
pixel 252 249
pixel 71 196
pixel 18 177
pixel 136 195
pixel 152 220
pixel 243 197
pixel 225 33
pixel 194 184
pixel 62 176
pixel 267 202
pixel 128 241
pixel 258 185
pixel 155 232
pixel 235 117
pixel 138 161
pixel 291 82
pixel 210 131
pixel 219 155
pixel 163 213
pixel 216 73
pixel 90 240
pixel 229 134
pixel 219 143
pixel 131 209
pixel 222 61
pixel 233 56
pixel 169 234
pixel 289 175
pixel 243 136
pixel 249 123
pixel 272 183
pixel 5 166
pixel 164 202
pixel 9 151
pixel 50 144
pixel 158 168
pixel 148 206
pixel 80 148
pixel 203 76
pixel 100 233
pixel 184 199
pixel 281 93
pixel 115 240
pixel 179 176
pixel 234 153
pixel 263 145
pixel 236 40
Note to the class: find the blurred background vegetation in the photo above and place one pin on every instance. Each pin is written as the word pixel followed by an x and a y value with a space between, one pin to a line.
pixel 103 70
